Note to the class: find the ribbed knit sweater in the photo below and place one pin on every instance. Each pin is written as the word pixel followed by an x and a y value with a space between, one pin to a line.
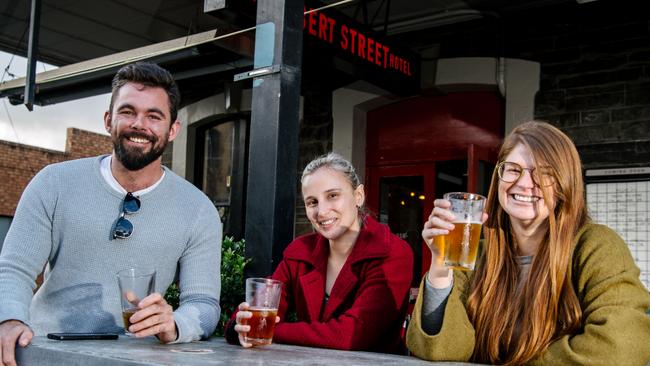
pixel 64 221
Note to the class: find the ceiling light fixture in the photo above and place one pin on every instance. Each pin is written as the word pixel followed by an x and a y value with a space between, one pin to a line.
pixel 419 21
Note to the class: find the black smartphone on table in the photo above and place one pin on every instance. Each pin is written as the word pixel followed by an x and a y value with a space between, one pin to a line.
pixel 80 336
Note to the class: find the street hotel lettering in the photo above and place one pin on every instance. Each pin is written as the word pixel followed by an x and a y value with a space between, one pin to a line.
pixel 347 38
pixel 371 52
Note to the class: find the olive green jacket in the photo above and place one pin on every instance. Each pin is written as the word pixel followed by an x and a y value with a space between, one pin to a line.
pixel 615 330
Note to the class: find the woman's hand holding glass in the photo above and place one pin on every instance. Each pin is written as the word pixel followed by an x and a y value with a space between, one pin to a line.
pixel 439 223
pixel 241 328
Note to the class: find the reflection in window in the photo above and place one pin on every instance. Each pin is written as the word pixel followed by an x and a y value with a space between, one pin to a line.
pixel 5 222
pixel 168 155
pixel 401 205
pixel 451 176
pixel 485 170
pixel 217 163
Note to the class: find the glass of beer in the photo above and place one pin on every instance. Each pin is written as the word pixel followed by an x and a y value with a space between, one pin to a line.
pixel 263 298
pixel 135 284
pixel 460 246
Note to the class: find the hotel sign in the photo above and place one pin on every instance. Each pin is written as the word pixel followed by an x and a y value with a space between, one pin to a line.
pixel 375 58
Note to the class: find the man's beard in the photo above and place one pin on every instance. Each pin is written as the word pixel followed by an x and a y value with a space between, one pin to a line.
pixel 134 158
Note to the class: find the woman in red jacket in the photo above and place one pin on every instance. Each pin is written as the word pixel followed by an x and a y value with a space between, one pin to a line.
pixel 348 281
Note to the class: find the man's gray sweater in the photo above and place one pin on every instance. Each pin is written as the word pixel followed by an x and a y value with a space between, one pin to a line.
pixel 64 221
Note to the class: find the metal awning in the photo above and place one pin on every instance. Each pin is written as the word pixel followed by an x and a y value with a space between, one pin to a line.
pixel 188 58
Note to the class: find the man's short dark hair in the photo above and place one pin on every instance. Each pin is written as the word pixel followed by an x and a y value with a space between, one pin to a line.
pixel 151 75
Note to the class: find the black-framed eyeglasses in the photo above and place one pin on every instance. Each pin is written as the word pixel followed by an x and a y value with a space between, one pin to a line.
pixel 510 172
pixel 123 227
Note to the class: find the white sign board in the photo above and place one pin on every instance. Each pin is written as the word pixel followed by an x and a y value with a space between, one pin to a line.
pixel 624 207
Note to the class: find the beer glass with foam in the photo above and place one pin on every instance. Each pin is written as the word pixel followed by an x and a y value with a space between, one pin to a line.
pixel 135 284
pixel 460 247
pixel 263 298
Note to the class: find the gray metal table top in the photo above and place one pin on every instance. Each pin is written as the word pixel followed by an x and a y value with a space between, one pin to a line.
pixel 130 351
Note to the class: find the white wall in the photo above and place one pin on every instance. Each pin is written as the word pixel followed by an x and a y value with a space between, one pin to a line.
pixel 349 127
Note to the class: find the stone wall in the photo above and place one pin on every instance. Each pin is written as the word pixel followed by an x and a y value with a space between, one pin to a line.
pixel 595 73
pixel 596 88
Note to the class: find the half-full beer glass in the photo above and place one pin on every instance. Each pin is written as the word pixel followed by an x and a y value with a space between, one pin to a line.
pixel 263 298
pixel 135 284
pixel 460 246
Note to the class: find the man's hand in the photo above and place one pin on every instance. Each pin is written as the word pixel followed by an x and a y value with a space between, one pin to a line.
pixel 12 331
pixel 155 317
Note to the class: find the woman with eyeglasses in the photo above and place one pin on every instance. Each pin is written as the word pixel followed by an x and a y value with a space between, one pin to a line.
pixel 551 287
pixel 347 283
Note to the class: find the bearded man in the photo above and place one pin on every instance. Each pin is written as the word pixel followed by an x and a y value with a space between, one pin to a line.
pixel 84 220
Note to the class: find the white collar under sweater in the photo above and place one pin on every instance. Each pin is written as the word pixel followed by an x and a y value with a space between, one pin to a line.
pixel 105 168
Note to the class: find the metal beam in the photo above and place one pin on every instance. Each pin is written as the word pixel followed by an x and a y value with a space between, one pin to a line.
pixel 365 13
pixel 273 152
pixel 32 54
pixel 387 18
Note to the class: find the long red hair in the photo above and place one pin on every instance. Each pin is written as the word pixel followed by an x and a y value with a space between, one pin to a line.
pixel 513 327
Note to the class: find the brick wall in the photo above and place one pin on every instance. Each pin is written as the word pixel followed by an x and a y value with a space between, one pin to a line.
pixel 595 72
pixel 19 163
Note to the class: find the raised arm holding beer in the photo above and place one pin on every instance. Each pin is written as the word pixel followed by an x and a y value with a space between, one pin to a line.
pixel 551 288
pixel 348 281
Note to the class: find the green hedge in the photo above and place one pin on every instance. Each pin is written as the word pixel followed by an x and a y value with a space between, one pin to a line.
pixel 233 261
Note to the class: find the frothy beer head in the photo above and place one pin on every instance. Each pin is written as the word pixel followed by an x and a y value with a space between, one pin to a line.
pixel 467 207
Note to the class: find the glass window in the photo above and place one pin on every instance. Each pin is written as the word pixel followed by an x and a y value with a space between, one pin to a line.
pixel 217 164
pixel 401 205
pixel 168 154
pixel 451 176
pixel 5 222
pixel 485 170
pixel 219 169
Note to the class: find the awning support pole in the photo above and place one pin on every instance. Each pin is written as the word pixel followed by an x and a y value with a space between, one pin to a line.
pixel 32 54
pixel 273 152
